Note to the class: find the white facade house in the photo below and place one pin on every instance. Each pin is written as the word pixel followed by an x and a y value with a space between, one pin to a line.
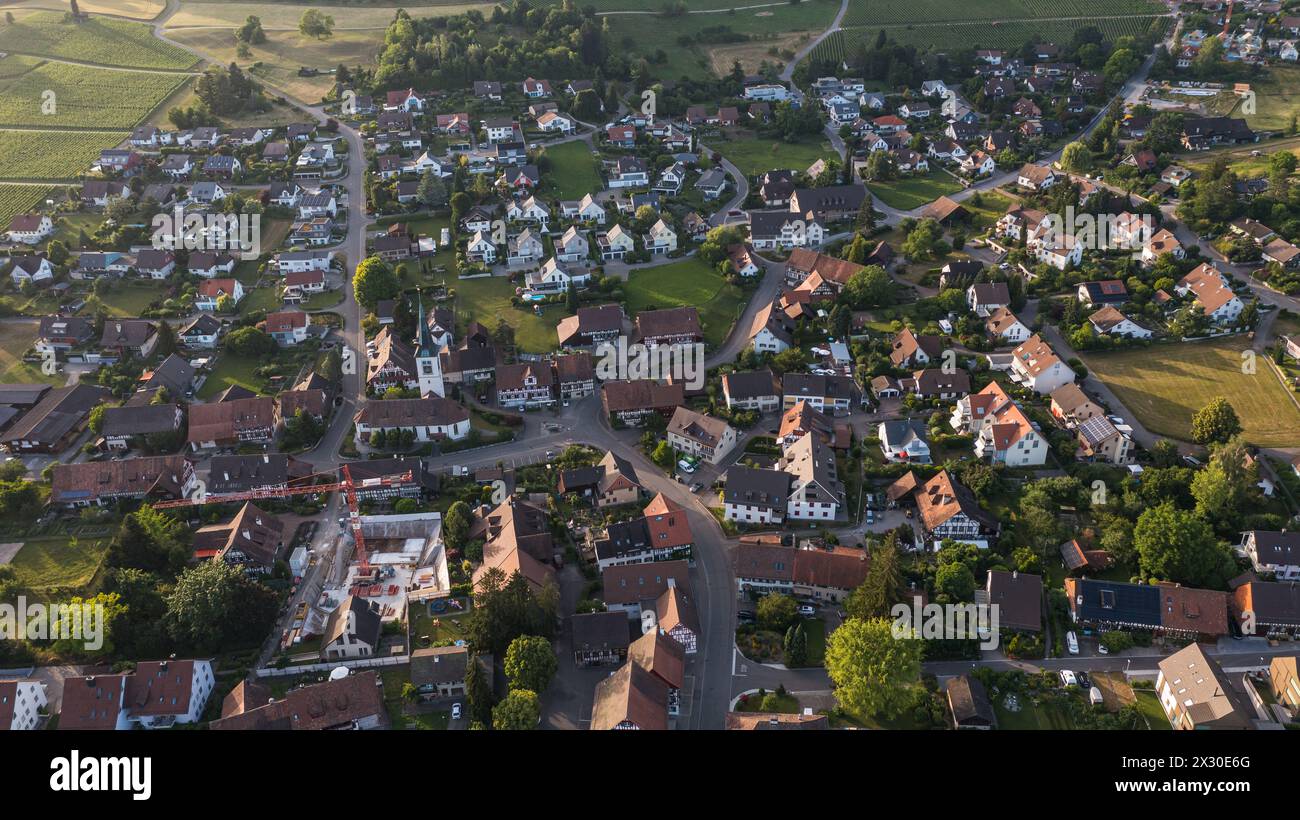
pixel 22 702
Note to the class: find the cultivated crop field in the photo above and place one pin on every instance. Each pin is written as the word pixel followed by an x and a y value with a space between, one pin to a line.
pixel 99 40
pixel 1005 24
pixel 1009 35
pixel 83 97
pixel 135 9
pixel 874 13
pixel 1164 385
pixel 19 199
pixel 52 155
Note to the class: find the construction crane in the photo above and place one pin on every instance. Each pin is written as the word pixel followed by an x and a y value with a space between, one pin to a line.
pixel 347 486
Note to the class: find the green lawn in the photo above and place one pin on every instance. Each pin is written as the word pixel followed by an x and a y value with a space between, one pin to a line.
pixel 815 629
pixel 16 339
pixel 688 282
pixel 756 155
pixel 906 193
pixel 130 298
pixel 487 300
pixel 231 369
pixel 1047 715
pixel 255 299
pixel 46 563
pixel 1164 385
pixel 572 174
pixel 1149 705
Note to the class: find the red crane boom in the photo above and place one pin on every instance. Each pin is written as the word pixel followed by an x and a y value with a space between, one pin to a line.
pixel 347 486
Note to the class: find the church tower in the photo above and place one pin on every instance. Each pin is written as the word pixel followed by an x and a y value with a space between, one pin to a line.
pixel 427 365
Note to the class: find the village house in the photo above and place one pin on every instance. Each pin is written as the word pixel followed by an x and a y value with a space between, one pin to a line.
pixel 429 419
pixel 234 422
pixel 752 390
pixel 103 483
pixel 1036 366
pixel 699 435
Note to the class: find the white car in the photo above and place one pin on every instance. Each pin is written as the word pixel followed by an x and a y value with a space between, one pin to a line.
pixel 685 466
pixel 1072 643
pixel 1068 678
pixel 807 611
pixel 455 711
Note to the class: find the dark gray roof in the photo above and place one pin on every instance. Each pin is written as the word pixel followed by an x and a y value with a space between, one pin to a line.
pixel 139 421
pixel 601 631
pixel 439 664
pixel 764 488
pixel 751 384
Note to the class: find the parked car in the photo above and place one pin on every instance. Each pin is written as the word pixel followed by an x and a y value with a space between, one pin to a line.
pixel 685 466
pixel 1068 678
pixel 455 711
pixel 807 611
pixel 1072 642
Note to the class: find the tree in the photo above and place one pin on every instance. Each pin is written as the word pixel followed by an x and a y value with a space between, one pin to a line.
pixel 530 663
pixel 374 282
pixel 251 343
pixel 456 524
pixel 478 692
pixel 1178 545
pixel 956 581
pixel 796 646
pixel 518 712
pixel 432 191
pixel 873 671
pixel 777 612
pixel 315 24
pixel 924 242
pixel 1216 422
pixel 215 606
pixel 869 288
pixel 251 31
pixel 1076 157
pixel 883 586
pixel 151 541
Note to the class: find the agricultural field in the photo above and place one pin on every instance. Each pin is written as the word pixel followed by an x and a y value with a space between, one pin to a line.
pixel 983 35
pixel 688 282
pixel 278 59
pixel 754 156
pixel 1164 385
pixel 875 13
pixel 100 40
pixel 284 16
pixel 1277 100
pixel 83 97
pixel 16 65
pixel 134 9
pixel 52 155
pixel 684 45
pixel 19 199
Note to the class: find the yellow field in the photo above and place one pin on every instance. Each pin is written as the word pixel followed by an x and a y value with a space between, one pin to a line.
pixel 1164 385
pixel 284 16
pixel 284 52
pixel 133 9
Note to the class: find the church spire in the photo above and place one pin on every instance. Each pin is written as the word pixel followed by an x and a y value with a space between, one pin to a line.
pixel 424 340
